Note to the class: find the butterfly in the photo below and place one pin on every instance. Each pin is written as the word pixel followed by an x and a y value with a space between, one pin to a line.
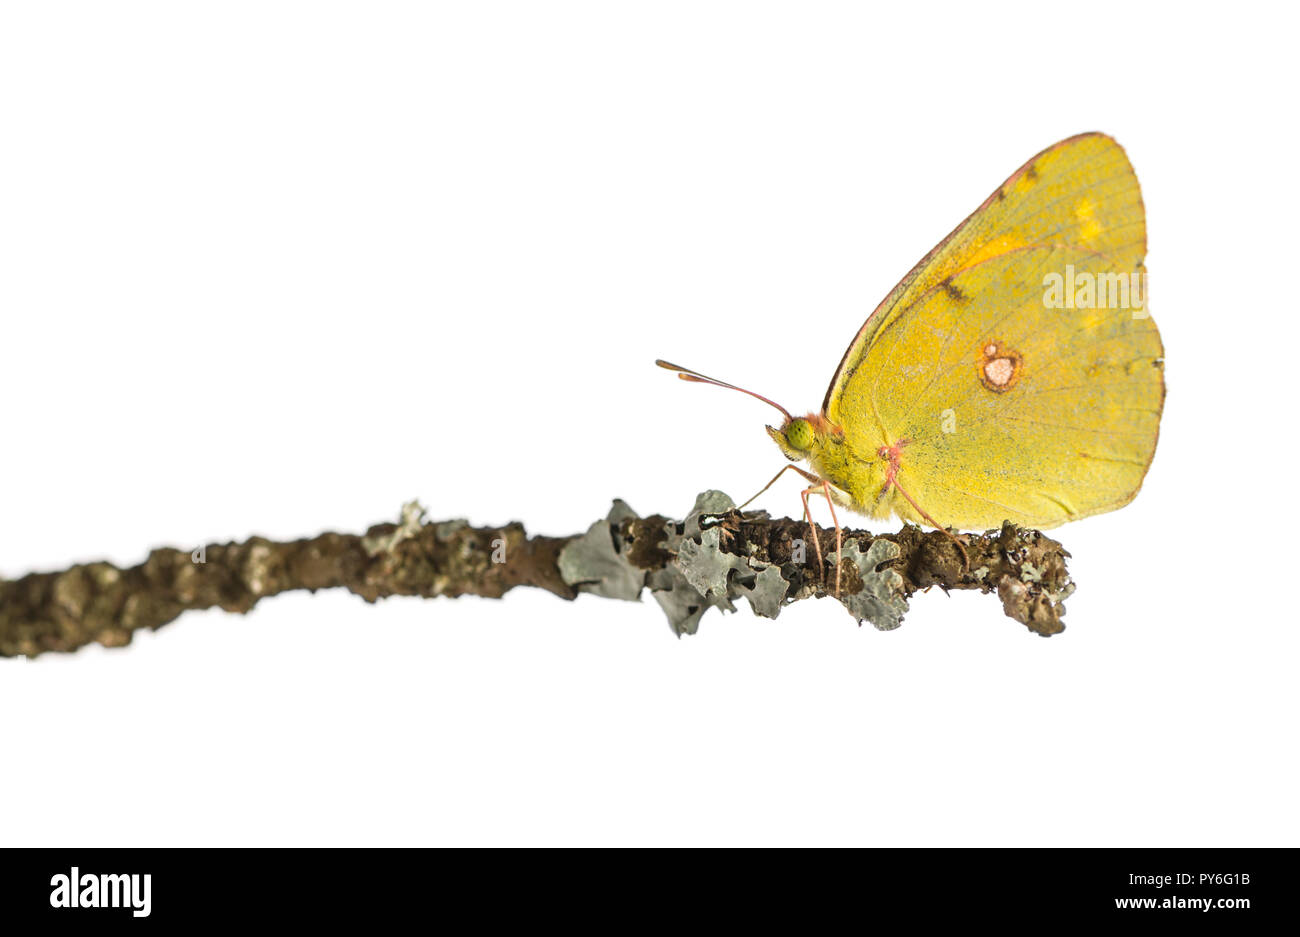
pixel 1013 374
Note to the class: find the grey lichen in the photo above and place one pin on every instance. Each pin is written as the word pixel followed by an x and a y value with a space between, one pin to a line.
pixel 408 527
pixel 591 563
pixel 698 577
pixel 682 602
pixel 708 504
pixel 708 569
pixel 882 600
pixel 1030 573
pixel 767 592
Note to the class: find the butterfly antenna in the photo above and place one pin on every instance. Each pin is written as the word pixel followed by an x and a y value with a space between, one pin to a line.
pixel 686 374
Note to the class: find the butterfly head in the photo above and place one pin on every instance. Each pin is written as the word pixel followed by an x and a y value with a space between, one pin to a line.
pixel 799 437
pixel 794 438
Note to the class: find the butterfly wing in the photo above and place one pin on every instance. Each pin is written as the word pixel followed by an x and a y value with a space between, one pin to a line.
pixel 1001 406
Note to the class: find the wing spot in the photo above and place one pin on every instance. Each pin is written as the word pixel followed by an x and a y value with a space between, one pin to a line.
pixel 998 366
pixel 953 291
pixel 1089 227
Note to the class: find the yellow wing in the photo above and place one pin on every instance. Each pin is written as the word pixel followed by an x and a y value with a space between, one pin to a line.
pixel 999 404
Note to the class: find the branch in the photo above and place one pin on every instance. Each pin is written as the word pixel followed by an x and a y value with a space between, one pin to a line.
pixel 713 557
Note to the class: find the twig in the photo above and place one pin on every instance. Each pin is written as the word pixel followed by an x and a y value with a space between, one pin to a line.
pixel 711 558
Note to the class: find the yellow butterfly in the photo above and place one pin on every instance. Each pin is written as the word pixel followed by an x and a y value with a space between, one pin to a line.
pixel 1013 374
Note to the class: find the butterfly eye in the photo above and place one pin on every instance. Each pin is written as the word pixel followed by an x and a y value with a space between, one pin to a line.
pixel 799 434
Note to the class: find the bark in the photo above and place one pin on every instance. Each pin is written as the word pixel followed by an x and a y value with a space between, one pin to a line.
pixel 711 558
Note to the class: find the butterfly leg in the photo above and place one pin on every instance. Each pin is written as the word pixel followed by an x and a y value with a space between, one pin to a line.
pixel 789 468
pixel 894 455
pixel 819 486
pixel 823 487
pixel 812 531
pixel 935 524
pixel 839 545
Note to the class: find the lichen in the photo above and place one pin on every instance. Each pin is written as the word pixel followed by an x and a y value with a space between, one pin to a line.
pixel 702 575
pixel 1031 573
pixel 705 566
pixel 712 557
pixel 591 563
pixel 697 578
pixel 682 602
pixel 767 594
pixel 882 600
pixel 408 526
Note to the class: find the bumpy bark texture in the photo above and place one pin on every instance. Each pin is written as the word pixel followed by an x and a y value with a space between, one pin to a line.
pixel 709 559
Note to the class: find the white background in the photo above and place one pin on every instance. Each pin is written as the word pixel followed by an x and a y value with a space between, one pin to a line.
pixel 277 268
